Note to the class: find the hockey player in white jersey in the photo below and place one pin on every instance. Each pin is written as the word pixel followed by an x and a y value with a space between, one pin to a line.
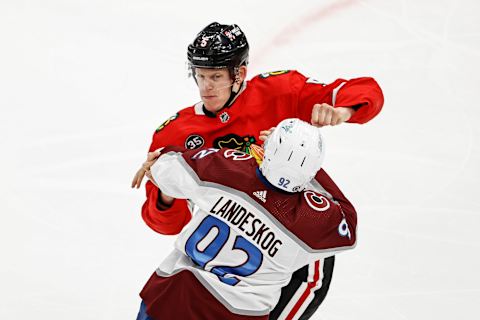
pixel 253 226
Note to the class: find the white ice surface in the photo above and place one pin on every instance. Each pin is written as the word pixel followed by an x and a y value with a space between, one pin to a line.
pixel 84 83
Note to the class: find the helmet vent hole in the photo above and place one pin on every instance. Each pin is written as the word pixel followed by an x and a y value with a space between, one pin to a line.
pixel 303 161
pixel 290 155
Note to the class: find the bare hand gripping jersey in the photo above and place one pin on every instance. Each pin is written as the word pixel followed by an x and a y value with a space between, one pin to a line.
pixel 245 239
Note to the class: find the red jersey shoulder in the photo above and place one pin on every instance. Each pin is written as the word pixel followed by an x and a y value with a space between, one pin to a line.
pixel 290 76
pixel 182 114
pixel 279 82
pixel 266 75
pixel 286 76
pixel 172 130
pixel 166 122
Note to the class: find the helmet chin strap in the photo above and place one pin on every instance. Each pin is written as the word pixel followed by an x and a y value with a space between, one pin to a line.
pixel 233 93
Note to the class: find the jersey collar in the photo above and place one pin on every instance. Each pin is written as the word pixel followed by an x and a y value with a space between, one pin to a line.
pixel 267 183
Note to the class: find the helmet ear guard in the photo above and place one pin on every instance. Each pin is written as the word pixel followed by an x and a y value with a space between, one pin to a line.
pixel 293 155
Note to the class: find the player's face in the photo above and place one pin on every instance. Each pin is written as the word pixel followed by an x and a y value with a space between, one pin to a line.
pixel 214 86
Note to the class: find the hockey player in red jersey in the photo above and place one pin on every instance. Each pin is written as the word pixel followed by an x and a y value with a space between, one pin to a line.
pixel 233 111
pixel 253 227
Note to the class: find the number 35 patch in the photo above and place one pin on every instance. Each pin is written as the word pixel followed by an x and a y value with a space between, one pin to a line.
pixel 194 141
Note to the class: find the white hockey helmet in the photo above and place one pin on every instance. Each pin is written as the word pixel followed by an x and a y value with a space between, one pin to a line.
pixel 293 155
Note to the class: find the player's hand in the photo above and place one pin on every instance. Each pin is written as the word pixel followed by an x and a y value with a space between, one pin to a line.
pixel 265 133
pixel 326 115
pixel 145 169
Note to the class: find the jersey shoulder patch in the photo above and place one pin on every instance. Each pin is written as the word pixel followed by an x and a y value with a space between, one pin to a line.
pixel 167 122
pixel 273 73
pixel 316 201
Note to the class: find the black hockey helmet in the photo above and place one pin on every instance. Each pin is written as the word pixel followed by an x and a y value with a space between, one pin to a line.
pixel 219 46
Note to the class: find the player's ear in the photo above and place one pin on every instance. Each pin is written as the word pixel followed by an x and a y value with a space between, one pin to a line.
pixel 242 74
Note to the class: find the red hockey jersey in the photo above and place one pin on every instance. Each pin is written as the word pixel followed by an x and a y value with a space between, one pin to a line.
pixel 267 99
pixel 245 239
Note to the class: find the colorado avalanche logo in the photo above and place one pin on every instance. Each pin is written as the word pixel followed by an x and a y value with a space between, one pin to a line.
pixel 316 202
pixel 236 155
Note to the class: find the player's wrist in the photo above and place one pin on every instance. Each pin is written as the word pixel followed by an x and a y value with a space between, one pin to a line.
pixel 164 202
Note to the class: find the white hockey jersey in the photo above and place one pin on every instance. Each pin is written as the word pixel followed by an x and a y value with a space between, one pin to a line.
pixel 246 237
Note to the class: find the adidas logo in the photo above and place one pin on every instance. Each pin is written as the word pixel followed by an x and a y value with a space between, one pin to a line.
pixel 262 195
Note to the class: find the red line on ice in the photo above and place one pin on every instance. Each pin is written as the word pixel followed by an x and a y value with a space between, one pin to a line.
pixel 285 36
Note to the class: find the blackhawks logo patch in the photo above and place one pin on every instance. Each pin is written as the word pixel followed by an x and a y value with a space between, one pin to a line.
pixel 245 144
pixel 164 124
pixel 273 73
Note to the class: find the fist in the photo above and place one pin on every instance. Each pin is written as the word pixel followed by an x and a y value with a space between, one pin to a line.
pixel 264 134
pixel 326 115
